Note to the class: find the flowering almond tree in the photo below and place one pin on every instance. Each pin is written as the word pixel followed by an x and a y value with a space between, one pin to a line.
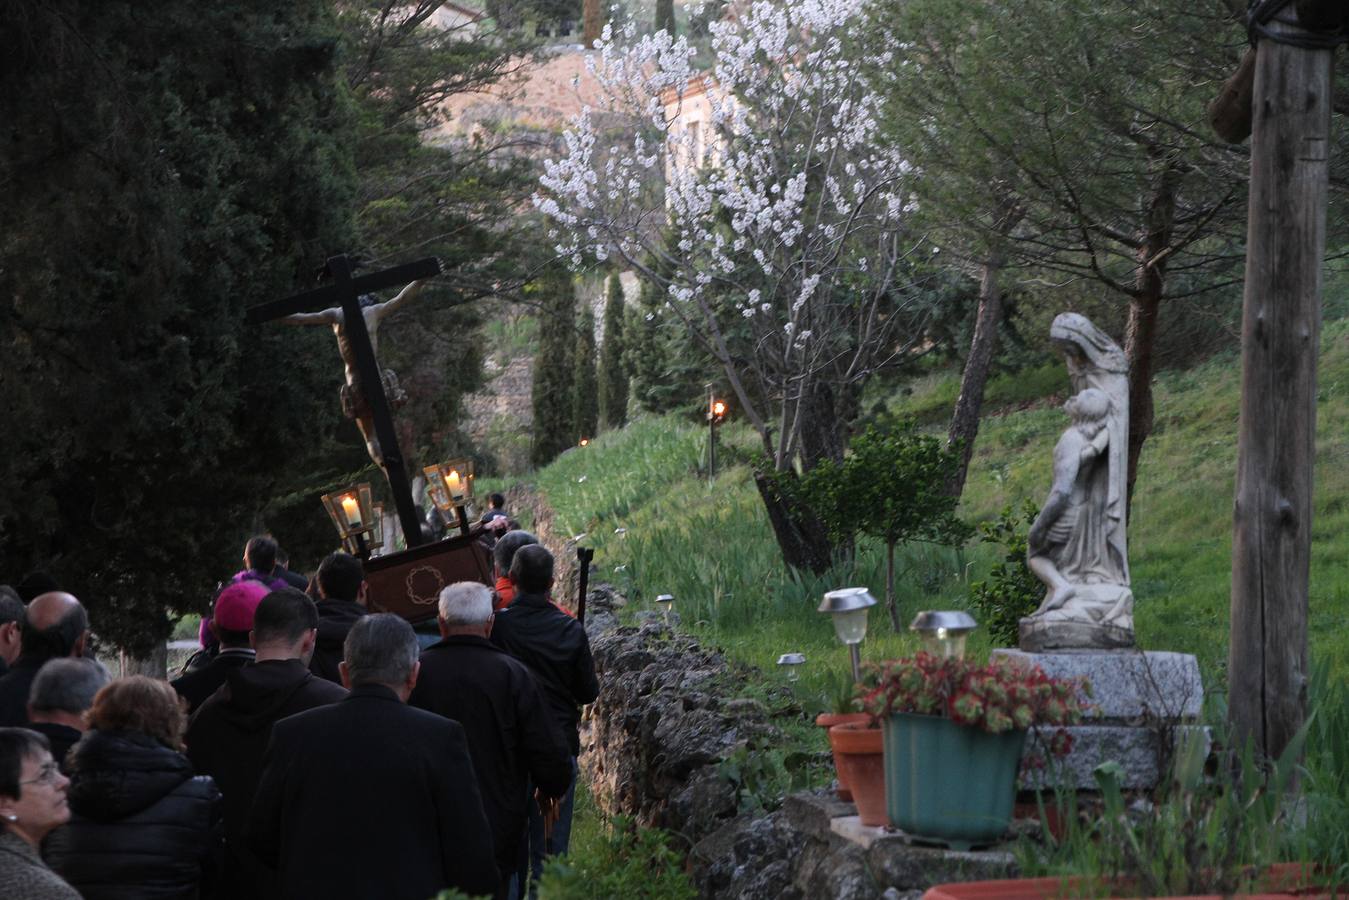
pixel 779 239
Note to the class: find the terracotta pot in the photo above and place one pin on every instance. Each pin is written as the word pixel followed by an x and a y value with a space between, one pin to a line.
pixel 859 752
pixel 828 721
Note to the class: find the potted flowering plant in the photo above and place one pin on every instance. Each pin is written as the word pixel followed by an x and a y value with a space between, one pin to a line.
pixel 953 732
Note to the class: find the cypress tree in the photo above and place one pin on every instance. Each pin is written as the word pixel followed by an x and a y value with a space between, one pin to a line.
pixel 665 17
pixel 553 365
pixel 585 389
pixel 592 22
pixel 613 368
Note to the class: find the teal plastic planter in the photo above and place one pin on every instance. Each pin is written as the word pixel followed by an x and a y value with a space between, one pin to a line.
pixel 947 782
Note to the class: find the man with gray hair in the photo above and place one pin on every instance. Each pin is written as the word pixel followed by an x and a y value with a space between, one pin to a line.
pixel 61 693
pixel 511 735
pixel 55 626
pixel 367 798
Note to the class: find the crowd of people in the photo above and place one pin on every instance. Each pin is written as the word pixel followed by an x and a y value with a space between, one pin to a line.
pixel 312 749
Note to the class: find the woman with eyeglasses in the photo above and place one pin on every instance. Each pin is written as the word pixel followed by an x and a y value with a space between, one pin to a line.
pixel 142 825
pixel 32 803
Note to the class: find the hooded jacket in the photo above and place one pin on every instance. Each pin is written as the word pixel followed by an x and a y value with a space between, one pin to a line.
pixel 142 826
pixel 227 740
pixel 335 619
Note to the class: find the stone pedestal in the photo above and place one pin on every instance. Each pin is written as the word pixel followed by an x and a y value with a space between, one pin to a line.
pixel 1143 705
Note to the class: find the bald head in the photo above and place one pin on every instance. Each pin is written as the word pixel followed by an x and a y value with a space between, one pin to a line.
pixel 55 626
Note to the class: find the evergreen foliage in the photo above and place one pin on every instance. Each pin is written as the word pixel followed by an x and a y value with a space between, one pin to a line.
pixel 551 394
pixel 613 374
pixel 665 16
pixel 585 407
pixel 162 174
pixel 667 369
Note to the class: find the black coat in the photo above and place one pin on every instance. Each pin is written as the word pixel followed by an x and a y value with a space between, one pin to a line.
pixel 369 799
pixel 14 688
pixel 142 827
pixel 554 646
pixel 227 739
pixel 511 736
pixel 61 737
pixel 197 685
pixel 335 619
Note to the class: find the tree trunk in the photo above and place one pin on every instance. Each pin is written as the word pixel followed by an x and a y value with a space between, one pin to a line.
pixel 821 434
pixel 965 419
pixel 890 585
pixel 1276 449
pixel 1144 306
pixel 801 536
pixel 156 665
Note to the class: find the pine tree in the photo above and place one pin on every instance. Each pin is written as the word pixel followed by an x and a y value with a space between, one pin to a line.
pixel 665 17
pixel 553 365
pixel 613 394
pixel 585 389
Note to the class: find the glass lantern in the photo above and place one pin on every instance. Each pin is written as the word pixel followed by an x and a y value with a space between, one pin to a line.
pixel 353 515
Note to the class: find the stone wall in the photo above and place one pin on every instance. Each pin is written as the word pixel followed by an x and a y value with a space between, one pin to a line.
pixel 653 744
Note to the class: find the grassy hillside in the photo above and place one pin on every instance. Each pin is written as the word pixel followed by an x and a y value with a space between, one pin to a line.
pixel 711 546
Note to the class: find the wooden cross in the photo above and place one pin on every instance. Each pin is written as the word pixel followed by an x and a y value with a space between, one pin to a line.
pixel 345 292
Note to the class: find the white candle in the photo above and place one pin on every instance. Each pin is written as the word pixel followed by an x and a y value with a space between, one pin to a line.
pixel 453 482
pixel 353 510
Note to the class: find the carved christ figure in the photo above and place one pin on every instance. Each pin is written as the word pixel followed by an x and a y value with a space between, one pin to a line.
pixel 354 403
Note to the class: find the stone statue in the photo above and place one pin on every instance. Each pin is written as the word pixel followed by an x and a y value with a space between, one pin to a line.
pixel 354 402
pixel 1077 545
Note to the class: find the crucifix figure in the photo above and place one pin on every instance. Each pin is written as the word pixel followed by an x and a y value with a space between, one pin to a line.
pixel 363 396
pixel 355 404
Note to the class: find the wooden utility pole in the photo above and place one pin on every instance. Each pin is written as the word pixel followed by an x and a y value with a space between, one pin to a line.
pixel 1280 340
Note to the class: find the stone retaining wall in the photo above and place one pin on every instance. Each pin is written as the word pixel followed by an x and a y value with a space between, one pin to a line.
pixel 667 716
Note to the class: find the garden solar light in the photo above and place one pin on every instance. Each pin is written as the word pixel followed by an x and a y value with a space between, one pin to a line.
pixel 790 663
pixel 585 442
pixel 666 602
pixel 848 606
pixel 353 516
pixel 944 632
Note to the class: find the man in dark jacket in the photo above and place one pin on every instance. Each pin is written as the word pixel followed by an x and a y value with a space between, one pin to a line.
pixel 62 692
pixel 231 621
pixel 228 735
pixel 511 736
pixel 555 648
pixel 342 587
pixel 55 626
pixel 11 627
pixel 368 799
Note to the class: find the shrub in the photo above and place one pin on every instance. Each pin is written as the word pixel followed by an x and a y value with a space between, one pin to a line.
pixel 1011 591
pixel 629 862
